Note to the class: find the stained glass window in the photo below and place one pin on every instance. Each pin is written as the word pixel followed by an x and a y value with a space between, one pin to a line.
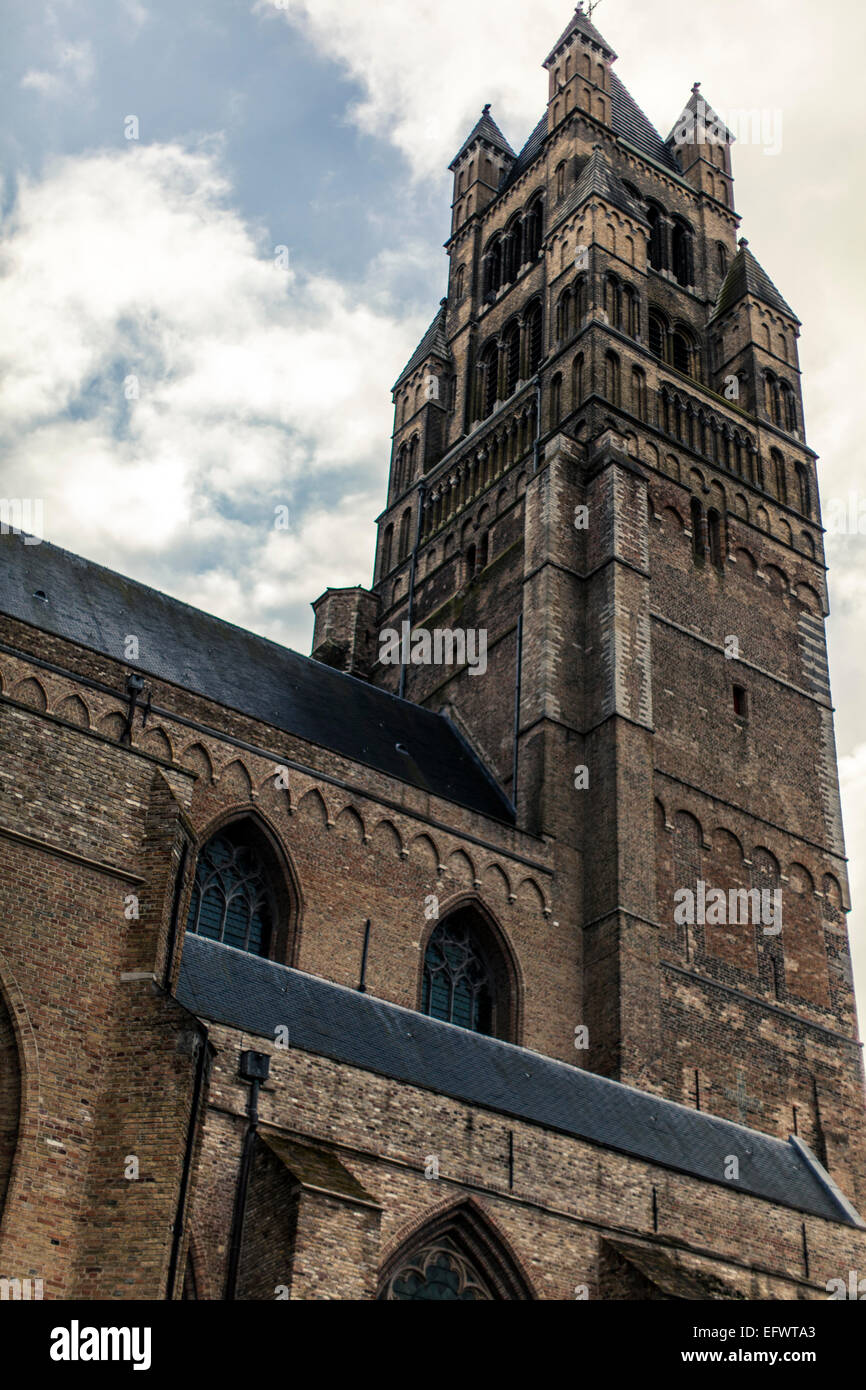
pixel 437 1272
pixel 457 982
pixel 230 900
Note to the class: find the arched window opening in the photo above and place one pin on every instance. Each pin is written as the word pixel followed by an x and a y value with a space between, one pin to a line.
pixel 638 393
pixel 722 258
pixel 613 301
pixel 560 181
pixel 656 249
pixel 534 229
pixel 460 284
pixel 233 899
pixel 805 490
pixel 563 316
pixel 631 313
pixel 772 402
pixel 533 339
pixel 465 979
pixel 698 550
pixel 488 366
pixel 555 401
pixel 403 544
pixel 657 336
pixel 779 474
pixel 493 269
pixel 387 548
pixel 513 252
pixel 681 352
pixel 611 378
pixel 681 253
pixel 483 550
pixel 789 408
pixel 471 562
pixel 458 1256
pixel 512 358
pixel 714 538
pixel 577 381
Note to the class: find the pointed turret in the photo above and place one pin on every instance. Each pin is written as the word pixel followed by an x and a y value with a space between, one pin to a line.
pixel 579 69
pixel 755 335
pixel 478 168
pixel 702 143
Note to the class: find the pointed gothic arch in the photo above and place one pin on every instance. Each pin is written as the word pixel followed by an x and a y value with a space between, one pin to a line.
pixel 459 1255
pixel 469 974
pixel 245 891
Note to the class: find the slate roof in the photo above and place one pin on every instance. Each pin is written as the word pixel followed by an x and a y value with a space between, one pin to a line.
pixel 96 608
pixel 699 117
pixel 527 155
pixel 578 24
pixel 433 344
pixel 746 276
pixel 243 991
pixel 485 129
pixel 598 179
pixel 630 122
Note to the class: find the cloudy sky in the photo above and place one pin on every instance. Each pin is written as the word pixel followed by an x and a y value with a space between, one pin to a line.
pixel 202 323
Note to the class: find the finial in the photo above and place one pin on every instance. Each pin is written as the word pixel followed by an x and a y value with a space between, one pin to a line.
pixel 485 110
pixel 696 88
pixel 742 243
pixel 442 303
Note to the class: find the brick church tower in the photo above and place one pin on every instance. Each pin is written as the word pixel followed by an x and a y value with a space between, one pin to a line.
pixel 599 461
pixel 498 950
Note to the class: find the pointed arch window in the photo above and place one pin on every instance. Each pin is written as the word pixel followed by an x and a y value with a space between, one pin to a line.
pixel 555 401
pixel 611 378
pixel 468 978
pixel 458 982
pixel 232 899
pixel 438 1272
pixel 656 249
pixel 681 253
pixel 511 343
pixel 458 1256
pixel 657 336
pixel 533 339
pixel 403 545
pixel 534 229
pixel 804 489
pixel 387 550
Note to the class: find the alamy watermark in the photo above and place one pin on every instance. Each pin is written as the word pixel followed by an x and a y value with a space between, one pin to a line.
pixel 752 126
pixel 713 907
pixel 442 647
pixel 23 516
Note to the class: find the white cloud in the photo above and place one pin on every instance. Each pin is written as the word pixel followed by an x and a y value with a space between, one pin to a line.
pixel 256 386
pixel 74 69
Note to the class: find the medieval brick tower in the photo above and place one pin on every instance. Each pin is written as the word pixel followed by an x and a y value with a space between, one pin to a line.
pixel 599 458
pixel 499 950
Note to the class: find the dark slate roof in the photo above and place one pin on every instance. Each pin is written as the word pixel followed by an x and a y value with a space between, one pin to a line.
pixel 228 986
pixel 433 344
pixel 746 276
pixel 578 24
pixel 630 122
pixel 598 179
pixel 627 120
pixel 96 608
pixel 485 129
pixel 527 155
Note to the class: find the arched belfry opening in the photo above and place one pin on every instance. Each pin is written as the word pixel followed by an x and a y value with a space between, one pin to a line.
pixel 458 1256
pixel 469 976
pixel 244 892
pixel 10 1098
